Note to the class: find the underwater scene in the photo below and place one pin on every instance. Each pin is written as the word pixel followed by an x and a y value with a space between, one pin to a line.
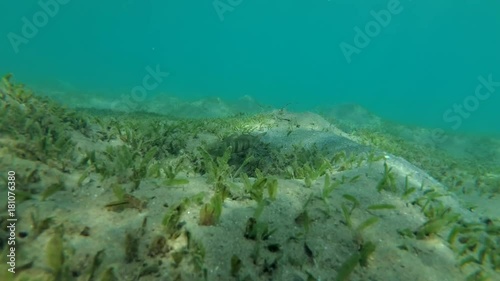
pixel 330 140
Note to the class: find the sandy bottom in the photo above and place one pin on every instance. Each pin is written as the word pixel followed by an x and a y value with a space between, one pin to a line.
pixel 301 234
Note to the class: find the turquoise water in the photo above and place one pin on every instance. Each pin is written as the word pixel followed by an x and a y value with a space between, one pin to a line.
pixel 413 70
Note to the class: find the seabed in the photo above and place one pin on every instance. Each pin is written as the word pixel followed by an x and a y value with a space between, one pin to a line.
pixel 272 195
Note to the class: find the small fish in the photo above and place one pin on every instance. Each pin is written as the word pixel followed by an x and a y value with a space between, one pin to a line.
pixel 129 201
